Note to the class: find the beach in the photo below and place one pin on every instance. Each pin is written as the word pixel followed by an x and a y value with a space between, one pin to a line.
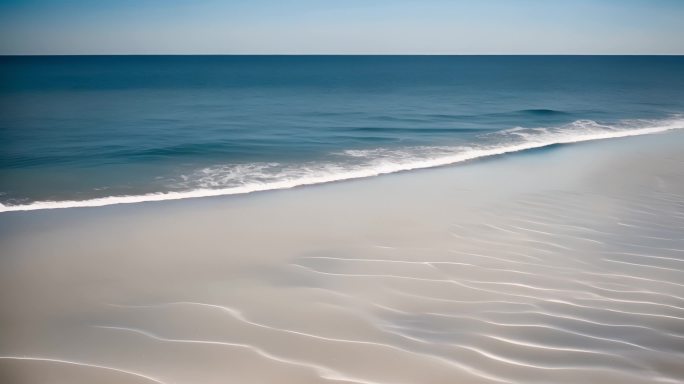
pixel 557 264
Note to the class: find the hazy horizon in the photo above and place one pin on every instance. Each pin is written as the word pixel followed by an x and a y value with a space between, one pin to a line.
pixel 306 27
pixel 342 54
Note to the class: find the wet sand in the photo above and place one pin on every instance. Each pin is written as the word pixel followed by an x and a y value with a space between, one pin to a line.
pixel 562 265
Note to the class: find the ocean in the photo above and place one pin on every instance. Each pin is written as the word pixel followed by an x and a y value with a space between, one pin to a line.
pixel 514 259
pixel 98 130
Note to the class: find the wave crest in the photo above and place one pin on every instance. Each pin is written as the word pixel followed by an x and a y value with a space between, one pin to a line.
pixel 354 164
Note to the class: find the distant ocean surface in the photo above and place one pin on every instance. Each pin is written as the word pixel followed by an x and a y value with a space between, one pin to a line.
pixel 98 130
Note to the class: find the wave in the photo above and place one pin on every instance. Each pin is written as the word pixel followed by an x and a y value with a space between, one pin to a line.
pixel 413 130
pixel 541 112
pixel 356 164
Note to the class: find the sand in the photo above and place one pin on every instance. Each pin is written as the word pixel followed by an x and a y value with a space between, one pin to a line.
pixel 564 265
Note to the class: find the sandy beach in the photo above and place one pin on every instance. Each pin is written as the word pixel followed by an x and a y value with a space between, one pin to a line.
pixel 562 264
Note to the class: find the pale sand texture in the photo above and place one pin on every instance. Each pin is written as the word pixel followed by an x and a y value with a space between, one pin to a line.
pixel 560 265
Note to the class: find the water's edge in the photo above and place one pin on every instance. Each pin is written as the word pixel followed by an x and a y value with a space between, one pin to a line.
pixel 529 142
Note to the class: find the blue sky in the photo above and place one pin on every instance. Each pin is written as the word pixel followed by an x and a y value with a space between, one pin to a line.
pixel 342 26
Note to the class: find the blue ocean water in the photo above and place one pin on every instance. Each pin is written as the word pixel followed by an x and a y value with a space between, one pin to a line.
pixel 94 130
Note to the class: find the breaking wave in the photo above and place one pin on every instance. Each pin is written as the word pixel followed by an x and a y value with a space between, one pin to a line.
pixel 355 164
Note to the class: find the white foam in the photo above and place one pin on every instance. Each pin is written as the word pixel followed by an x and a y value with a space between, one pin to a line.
pixel 378 162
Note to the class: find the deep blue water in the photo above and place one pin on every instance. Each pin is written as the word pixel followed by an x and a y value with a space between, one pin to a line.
pixel 85 127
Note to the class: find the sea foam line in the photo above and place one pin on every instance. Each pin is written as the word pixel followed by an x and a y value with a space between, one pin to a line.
pixel 533 142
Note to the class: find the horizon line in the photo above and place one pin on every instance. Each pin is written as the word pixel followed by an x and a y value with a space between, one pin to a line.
pixel 335 54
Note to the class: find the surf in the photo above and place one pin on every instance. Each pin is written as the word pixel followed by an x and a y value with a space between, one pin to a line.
pixel 373 162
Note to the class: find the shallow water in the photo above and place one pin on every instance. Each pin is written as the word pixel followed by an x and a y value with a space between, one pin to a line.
pixel 562 265
pixel 78 131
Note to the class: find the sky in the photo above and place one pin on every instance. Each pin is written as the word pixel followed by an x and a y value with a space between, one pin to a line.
pixel 341 27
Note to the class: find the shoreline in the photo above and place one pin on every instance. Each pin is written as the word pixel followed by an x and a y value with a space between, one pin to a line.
pixel 562 138
pixel 559 265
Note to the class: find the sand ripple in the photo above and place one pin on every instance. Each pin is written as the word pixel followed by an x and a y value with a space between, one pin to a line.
pixel 579 284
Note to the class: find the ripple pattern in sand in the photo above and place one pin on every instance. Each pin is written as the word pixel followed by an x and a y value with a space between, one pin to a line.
pixel 565 286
